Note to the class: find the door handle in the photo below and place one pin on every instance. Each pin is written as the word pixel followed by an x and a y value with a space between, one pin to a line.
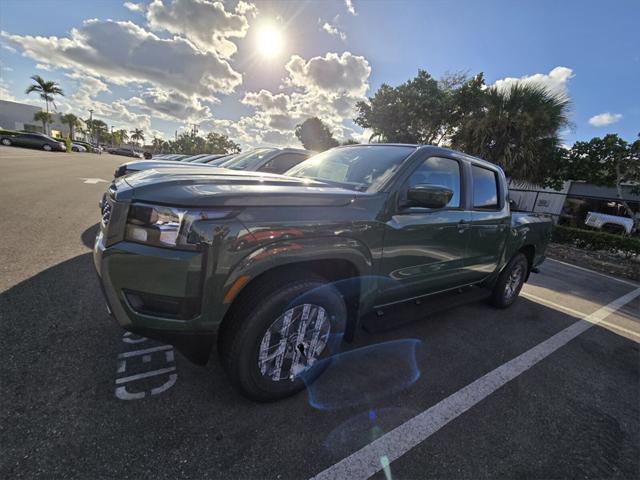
pixel 462 226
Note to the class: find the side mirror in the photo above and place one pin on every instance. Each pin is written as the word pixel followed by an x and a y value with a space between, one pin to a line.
pixel 429 196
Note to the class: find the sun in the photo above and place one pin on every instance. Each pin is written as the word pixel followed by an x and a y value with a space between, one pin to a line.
pixel 269 40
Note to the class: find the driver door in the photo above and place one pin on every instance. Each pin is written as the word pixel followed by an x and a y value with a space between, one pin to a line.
pixel 424 249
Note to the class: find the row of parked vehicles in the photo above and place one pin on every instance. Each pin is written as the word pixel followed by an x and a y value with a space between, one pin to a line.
pixel 39 141
pixel 277 256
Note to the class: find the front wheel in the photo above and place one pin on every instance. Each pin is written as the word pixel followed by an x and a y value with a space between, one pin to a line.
pixel 510 282
pixel 275 340
pixel 6 142
pixel 46 147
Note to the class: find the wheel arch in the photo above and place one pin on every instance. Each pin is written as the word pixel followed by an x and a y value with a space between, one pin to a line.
pixel 346 269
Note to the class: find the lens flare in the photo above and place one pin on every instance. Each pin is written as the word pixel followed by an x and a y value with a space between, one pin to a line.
pixel 364 375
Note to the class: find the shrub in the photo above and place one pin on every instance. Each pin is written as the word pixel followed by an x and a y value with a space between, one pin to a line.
pixel 594 240
pixel 67 143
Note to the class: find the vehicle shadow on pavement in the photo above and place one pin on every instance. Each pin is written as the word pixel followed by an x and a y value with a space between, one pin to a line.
pixel 89 235
pixel 59 349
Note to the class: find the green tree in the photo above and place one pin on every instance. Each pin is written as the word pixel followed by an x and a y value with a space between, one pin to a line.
pixel 44 117
pixel 609 161
pixel 137 135
pixel 123 136
pixel 99 130
pixel 422 110
pixel 72 121
pixel 158 145
pixel 219 143
pixel 517 129
pixel 314 135
pixel 47 89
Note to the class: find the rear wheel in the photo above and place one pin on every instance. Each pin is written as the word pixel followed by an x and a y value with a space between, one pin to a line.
pixel 274 340
pixel 510 282
pixel 46 147
pixel 6 142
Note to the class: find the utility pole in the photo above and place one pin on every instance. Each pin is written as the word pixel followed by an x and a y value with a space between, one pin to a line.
pixel 91 125
pixel 194 129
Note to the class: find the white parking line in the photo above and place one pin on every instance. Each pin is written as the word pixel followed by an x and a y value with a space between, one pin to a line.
pixel 389 447
pixel 577 314
pixel 627 282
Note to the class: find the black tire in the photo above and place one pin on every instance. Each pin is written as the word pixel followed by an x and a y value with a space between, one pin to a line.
pixel 505 291
pixel 244 328
pixel 6 142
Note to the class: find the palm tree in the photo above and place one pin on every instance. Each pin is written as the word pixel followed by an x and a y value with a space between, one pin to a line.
pixel 137 134
pixel 157 144
pixel 44 117
pixel 124 136
pixel 518 129
pixel 47 90
pixel 71 120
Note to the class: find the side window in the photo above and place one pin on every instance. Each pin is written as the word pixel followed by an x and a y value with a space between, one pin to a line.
pixel 282 163
pixel 485 189
pixel 439 171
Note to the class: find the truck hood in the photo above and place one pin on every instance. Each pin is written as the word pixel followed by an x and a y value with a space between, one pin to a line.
pixel 210 187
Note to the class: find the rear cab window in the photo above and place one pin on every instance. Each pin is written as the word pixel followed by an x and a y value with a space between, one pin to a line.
pixel 485 189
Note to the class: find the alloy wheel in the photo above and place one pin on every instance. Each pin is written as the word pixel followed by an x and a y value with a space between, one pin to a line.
pixel 294 342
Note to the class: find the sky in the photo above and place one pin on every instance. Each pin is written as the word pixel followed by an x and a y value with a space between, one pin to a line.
pixel 253 70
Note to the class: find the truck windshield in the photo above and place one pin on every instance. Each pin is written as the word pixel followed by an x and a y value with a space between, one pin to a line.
pixel 249 160
pixel 362 167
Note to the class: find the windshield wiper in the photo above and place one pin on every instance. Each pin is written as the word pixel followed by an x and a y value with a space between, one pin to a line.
pixel 349 185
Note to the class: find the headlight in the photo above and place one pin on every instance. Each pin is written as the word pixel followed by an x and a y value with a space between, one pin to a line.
pixel 168 226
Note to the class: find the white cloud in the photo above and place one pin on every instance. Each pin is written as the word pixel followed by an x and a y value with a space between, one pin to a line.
pixel 555 81
pixel 205 23
pixel 333 30
pixel 350 8
pixel 135 7
pixel 4 92
pixel 123 53
pixel 325 87
pixel 603 119
pixel 346 73
pixel 171 105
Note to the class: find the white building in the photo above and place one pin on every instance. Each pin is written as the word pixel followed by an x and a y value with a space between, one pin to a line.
pixel 19 116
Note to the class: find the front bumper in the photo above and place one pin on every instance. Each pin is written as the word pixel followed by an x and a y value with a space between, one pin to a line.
pixel 155 292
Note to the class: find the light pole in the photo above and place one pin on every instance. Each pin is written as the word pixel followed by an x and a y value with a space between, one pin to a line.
pixel 91 125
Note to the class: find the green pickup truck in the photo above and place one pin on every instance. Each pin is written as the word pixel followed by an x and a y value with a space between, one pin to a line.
pixel 280 269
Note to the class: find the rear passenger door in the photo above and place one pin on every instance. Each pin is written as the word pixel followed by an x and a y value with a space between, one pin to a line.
pixel 283 162
pixel 490 222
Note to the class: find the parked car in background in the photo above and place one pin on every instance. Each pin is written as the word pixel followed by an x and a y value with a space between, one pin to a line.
pixel 609 223
pixel 193 158
pixel 125 152
pixel 281 268
pixel 215 159
pixel 76 147
pixel 33 140
pixel 272 160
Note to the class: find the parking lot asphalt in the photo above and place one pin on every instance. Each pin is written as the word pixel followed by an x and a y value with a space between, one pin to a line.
pixel 528 392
